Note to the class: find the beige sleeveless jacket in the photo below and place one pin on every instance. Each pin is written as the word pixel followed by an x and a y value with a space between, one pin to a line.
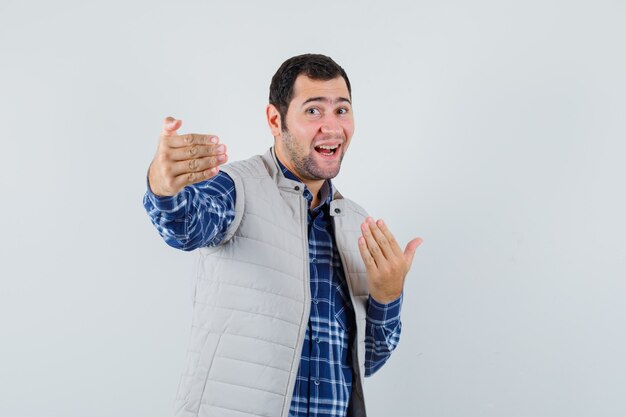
pixel 252 299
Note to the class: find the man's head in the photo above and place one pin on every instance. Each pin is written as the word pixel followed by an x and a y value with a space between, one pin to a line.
pixel 314 66
pixel 310 110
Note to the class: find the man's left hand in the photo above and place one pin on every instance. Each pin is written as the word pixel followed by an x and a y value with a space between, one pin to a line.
pixel 386 263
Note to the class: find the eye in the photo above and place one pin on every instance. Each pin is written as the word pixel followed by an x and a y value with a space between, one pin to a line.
pixel 314 111
pixel 343 110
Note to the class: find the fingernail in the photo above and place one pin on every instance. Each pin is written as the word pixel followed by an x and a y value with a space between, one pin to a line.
pixel 215 139
pixel 220 148
pixel 221 158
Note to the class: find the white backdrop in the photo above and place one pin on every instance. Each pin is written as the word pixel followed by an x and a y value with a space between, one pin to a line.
pixel 500 124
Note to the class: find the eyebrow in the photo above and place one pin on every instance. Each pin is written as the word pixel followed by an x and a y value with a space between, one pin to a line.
pixel 326 99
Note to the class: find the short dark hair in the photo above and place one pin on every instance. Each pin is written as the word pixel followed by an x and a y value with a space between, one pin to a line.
pixel 314 66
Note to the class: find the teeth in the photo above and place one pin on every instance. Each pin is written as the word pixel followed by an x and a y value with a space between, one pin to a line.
pixel 328 147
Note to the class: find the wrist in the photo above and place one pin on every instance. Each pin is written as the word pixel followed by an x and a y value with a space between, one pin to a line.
pixel 164 202
pixel 385 297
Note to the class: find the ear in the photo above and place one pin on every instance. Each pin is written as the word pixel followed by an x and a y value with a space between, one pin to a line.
pixel 273 120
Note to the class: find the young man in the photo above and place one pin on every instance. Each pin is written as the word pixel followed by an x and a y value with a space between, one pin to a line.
pixel 299 292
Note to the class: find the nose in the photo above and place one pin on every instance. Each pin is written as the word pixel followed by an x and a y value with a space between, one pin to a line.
pixel 331 126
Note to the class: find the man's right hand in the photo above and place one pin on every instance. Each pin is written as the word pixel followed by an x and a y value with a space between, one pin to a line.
pixel 182 160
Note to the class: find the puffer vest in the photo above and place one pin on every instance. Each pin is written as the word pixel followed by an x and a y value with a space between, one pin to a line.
pixel 252 299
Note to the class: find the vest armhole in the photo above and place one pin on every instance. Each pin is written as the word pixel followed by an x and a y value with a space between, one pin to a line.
pixel 239 203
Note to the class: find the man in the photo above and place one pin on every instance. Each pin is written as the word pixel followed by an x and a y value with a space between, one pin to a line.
pixel 299 292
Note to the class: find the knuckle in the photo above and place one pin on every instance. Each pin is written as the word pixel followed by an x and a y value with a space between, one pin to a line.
pixel 207 163
pixel 191 177
pixel 189 139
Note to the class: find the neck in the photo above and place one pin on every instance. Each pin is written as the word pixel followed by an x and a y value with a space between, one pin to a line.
pixel 314 186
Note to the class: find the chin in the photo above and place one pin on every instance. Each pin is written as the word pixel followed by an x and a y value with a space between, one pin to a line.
pixel 329 173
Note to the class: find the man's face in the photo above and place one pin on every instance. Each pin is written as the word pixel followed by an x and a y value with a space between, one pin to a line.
pixel 319 126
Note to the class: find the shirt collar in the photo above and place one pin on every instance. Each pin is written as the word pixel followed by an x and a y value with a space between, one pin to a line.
pixel 326 192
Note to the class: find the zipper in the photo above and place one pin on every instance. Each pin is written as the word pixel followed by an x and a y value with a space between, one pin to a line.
pixel 355 366
pixel 307 304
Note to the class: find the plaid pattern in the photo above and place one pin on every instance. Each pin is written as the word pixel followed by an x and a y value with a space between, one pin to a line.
pixel 200 215
pixel 197 216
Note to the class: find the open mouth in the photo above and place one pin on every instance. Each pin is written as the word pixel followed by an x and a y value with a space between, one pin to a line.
pixel 327 150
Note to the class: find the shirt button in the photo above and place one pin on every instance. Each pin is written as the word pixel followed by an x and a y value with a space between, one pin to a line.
pixel 297 188
pixel 314 260
pixel 317 340
pixel 316 381
pixel 315 301
pixel 337 210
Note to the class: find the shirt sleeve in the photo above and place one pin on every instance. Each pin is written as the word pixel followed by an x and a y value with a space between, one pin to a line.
pixel 382 333
pixel 197 216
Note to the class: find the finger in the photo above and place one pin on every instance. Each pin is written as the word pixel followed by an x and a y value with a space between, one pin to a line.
pixel 197 164
pixel 381 239
pixel 411 247
pixel 170 126
pixel 189 178
pixel 393 243
pixel 369 262
pixel 190 139
pixel 196 151
pixel 372 246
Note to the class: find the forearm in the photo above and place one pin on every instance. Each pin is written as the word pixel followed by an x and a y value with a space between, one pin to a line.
pixel 382 333
pixel 197 216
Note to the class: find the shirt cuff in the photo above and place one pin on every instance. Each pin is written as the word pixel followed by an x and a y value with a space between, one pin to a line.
pixel 166 203
pixel 383 314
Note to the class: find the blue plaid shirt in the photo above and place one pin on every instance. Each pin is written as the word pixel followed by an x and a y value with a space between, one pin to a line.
pixel 200 215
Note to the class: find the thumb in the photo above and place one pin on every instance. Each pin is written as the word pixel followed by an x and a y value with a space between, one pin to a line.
pixel 170 126
pixel 411 247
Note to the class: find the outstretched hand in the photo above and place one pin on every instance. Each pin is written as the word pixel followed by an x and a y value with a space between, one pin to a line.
pixel 386 263
pixel 182 160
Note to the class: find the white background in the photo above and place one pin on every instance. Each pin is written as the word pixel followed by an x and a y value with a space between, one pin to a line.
pixel 495 130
